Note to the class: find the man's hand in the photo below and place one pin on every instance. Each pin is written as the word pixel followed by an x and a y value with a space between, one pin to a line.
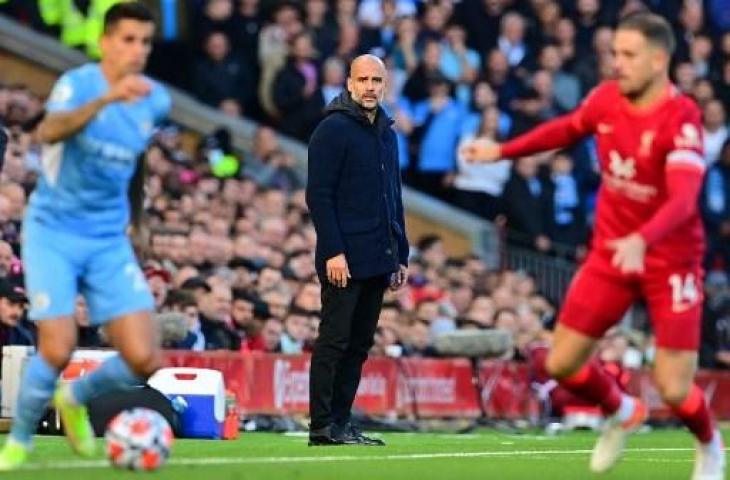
pixel 399 278
pixel 629 253
pixel 481 150
pixel 337 271
pixel 128 89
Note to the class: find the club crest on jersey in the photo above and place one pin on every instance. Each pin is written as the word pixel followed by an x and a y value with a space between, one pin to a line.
pixel 647 138
pixel 689 137
pixel 622 167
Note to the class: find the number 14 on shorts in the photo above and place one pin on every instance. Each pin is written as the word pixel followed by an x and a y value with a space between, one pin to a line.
pixel 685 293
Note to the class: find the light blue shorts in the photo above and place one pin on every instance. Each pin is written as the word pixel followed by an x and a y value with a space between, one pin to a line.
pixel 59 265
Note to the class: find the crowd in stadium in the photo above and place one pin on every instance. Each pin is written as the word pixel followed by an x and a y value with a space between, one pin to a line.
pixel 233 250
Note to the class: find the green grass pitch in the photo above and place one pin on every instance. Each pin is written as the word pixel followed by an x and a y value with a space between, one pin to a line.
pixel 660 454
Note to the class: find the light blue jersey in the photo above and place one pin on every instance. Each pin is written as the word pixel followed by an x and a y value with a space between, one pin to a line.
pixel 85 178
pixel 74 237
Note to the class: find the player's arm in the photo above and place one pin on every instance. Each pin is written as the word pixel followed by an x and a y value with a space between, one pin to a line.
pixel 558 133
pixel 65 119
pixel 683 183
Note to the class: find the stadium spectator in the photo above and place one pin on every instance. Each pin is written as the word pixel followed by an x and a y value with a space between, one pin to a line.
pixel 15 329
pixel 295 86
pixel 715 209
pixel 215 313
pixel 528 205
pixel 220 77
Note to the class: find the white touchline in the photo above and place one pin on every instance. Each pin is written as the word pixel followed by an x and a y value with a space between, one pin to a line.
pixel 81 464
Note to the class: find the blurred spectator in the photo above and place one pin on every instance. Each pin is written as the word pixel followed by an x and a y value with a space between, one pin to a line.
pixel 511 40
pixel 268 340
pixel 566 86
pixel 438 123
pixel 215 317
pixel 220 76
pixel 715 209
pixel 529 206
pixel 294 87
pixel 477 187
pixel 15 329
pixel 296 330
pixel 182 301
pixel 714 131
pixel 333 82
pixel 274 41
pixel 570 227
pixel 458 63
pixel 416 88
pixel 321 23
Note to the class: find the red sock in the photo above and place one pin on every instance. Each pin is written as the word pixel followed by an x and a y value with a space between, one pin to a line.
pixel 695 414
pixel 593 384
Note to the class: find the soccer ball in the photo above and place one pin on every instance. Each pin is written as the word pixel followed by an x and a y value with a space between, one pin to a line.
pixel 138 439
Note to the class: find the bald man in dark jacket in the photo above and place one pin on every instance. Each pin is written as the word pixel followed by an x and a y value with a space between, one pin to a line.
pixel 354 197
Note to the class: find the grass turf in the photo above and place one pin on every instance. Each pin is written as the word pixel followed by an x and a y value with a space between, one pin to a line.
pixel 664 455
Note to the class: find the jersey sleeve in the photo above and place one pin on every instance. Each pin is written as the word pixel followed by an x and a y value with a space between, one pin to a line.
pixel 161 103
pixel 585 117
pixel 685 150
pixel 67 93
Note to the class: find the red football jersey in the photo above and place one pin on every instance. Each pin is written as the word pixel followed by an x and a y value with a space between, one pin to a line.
pixel 636 149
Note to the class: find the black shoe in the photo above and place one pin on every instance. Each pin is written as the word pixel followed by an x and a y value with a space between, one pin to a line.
pixel 324 436
pixel 351 435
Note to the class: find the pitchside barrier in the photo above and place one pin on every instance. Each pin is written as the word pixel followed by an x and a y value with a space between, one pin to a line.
pixel 390 387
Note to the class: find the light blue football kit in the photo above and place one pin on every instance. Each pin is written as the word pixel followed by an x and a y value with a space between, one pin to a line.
pixel 74 238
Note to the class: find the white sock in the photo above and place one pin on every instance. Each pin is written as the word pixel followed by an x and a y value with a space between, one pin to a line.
pixel 716 444
pixel 624 412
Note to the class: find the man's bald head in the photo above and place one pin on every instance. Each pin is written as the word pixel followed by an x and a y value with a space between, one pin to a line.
pixel 366 82
pixel 368 58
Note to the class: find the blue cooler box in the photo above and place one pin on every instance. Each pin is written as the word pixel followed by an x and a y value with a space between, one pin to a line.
pixel 198 394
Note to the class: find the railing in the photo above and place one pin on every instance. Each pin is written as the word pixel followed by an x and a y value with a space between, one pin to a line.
pixel 552 271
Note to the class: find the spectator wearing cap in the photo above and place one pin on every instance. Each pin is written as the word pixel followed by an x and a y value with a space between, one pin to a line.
pixel 15 329
pixel 159 281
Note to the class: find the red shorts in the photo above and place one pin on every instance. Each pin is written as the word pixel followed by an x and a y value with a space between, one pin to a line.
pixel 600 295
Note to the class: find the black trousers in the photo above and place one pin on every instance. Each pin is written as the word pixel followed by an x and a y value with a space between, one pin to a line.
pixel 349 318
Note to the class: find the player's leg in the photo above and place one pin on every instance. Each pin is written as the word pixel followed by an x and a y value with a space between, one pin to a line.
pixel 117 295
pixel 675 307
pixel 596 300
pixel 50 278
